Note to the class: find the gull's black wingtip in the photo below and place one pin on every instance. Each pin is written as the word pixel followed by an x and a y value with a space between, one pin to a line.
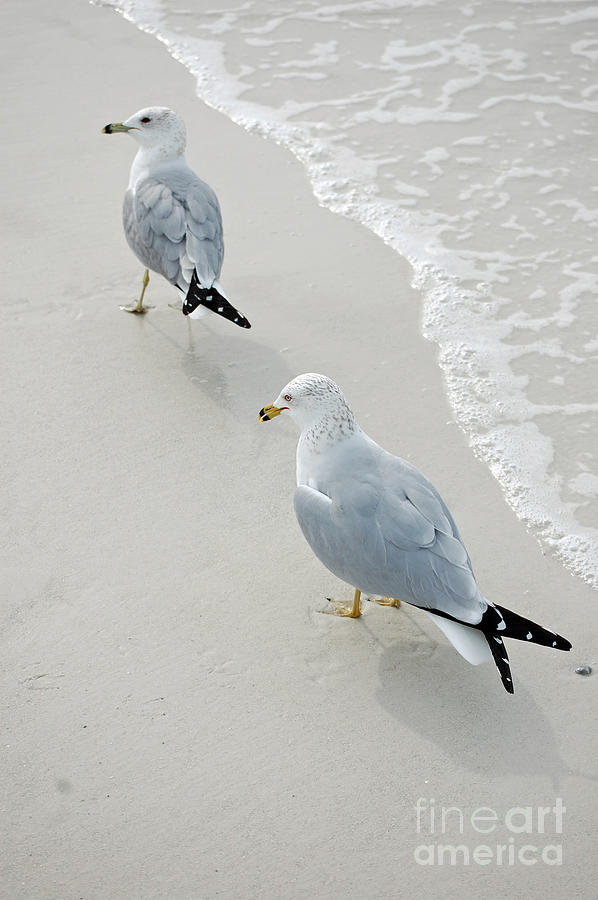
pixel 522 629
pixel 213 300
pixel 501 660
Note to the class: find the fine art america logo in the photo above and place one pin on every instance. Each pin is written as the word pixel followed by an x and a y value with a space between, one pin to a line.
pixel 523 835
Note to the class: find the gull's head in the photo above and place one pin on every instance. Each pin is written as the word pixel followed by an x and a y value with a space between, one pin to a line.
pixel 155 126
pixel 311 399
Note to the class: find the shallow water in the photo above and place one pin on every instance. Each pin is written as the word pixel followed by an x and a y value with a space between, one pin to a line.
pixel 462 133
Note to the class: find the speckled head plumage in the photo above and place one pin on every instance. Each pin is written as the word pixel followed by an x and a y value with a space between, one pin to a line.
pixel 314 402
pixel 154 127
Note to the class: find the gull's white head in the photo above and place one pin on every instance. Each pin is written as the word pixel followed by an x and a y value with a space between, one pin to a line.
pixel 312 400
pixel 154 127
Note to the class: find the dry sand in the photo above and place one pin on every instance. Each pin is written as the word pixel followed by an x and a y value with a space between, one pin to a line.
pixel 179 719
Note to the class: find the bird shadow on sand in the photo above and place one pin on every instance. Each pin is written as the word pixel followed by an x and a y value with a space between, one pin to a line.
pixel 234 373
pixel 465 712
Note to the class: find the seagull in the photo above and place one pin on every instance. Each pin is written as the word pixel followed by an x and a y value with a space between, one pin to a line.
pixel 171 217
pixel 377 523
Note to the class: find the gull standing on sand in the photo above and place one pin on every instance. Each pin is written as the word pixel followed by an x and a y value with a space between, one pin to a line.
pixel 171 217
pixel 376 522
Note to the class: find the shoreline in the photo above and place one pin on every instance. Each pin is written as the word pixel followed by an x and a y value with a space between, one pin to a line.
pixel 183 721
pixel 504 448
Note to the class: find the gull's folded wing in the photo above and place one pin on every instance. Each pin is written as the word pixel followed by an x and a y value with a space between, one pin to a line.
pixel 173 224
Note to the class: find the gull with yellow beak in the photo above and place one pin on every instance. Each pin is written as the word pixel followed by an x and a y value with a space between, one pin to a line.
pixel 377 523
pixel 171 217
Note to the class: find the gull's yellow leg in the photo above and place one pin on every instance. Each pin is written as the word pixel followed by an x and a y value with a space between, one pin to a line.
pixel 352 612
pixel 139 308
pixel 387 601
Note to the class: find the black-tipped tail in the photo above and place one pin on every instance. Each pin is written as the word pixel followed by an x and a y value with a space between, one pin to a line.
pixel 213 300
pixel 501 658
pixel 522 629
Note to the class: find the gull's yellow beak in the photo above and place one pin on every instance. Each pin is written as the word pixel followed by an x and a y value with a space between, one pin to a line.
pixel 270 412
pixel 115 127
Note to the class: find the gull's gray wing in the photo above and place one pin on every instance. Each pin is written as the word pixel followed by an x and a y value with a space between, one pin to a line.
pixel 390 533
pixel 346 540
pixel 437 569
pixel 173 224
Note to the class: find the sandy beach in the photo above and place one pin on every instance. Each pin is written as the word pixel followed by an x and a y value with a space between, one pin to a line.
pixel 180 720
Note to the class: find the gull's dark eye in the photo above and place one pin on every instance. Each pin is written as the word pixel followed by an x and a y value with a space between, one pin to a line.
pixel 288 398
pixel 146 119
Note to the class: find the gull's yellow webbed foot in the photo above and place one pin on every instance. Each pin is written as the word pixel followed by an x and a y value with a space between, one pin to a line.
pixel 386 601
pixel 352 612
pixel 138 307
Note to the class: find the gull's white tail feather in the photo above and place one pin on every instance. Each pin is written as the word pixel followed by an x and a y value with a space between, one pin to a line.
pixel 200 312
pixel 469 642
